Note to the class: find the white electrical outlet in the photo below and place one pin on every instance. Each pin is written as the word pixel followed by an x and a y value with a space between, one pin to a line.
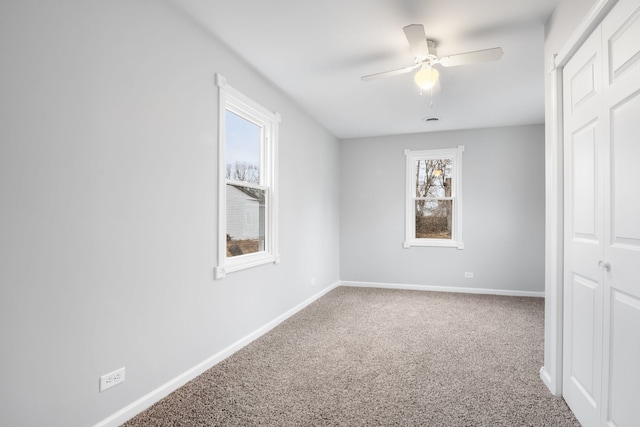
pixel 111 379
pixel 468 275
pixel 314 282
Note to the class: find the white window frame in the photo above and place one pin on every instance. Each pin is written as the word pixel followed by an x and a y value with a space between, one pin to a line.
pixel 236 102
pixel 412 156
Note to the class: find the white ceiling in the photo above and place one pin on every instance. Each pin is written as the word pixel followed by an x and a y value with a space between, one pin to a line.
pixel 316 52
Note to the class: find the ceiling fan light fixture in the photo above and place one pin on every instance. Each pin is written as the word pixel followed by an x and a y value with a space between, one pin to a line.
pixel 426 78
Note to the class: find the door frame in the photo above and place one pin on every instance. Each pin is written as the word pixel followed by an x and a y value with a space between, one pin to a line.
pixel 551 372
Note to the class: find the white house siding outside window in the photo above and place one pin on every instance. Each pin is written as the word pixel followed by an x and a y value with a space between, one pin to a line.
pixel 247 152
pixel 434 198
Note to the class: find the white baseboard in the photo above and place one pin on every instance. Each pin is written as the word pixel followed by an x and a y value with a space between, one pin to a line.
pixel 134 408
pixel 546 378
pixel 444 289
pixel 164 390
pixel 555 389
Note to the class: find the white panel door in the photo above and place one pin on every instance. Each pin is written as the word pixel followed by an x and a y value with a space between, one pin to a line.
pixel 584 232
pixel 621 48
pixel 601 342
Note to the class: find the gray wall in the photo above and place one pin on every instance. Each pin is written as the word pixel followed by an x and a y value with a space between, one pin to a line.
pixel 108 124
pixel 503 211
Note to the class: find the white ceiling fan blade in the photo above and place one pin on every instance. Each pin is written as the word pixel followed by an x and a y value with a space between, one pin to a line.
pixel 417 40
pixel 485 55
pixel 390 73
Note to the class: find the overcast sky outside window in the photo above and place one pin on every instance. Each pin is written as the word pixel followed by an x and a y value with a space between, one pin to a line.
pixel 242 139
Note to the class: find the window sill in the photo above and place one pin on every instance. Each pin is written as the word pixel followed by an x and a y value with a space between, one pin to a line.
pixel 242 262
pixel 440 243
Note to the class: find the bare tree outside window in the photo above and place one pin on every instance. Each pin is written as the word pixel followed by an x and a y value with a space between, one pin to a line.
pixel 434 204
pixel 244 171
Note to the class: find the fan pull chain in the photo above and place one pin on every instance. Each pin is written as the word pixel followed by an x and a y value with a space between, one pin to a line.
pixel 431 97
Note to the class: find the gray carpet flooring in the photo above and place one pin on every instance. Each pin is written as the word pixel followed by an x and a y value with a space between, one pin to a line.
pixel 380 357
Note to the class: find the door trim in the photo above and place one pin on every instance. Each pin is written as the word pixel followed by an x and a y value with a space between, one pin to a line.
pixel 551 372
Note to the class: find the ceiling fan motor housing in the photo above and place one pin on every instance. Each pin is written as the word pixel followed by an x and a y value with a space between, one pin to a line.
pixel 432 58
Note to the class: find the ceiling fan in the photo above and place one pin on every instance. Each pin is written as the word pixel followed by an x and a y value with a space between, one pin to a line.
pixel 426 56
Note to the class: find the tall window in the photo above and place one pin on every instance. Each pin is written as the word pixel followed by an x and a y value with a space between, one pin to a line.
pixel 247 182
pixel 433 199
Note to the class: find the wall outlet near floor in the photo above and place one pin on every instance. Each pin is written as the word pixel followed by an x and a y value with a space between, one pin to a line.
pixel 111 379
pixel 468 275
pixel 314 281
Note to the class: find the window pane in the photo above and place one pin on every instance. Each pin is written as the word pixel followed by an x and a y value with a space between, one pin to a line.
pixel 434 219
pixel 433 177
pixel 245 220
pixel 243 140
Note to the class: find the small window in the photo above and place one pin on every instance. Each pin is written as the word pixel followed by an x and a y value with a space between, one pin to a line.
pixel 247 191
pixel 434 198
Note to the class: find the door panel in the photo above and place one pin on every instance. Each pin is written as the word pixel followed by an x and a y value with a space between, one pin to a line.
pixel 624 409
pixel 621 374
pixel 585 342
pixel 584 183
pixel 625 185
pixel 584 232
pixel 624 24
pixel 583 84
